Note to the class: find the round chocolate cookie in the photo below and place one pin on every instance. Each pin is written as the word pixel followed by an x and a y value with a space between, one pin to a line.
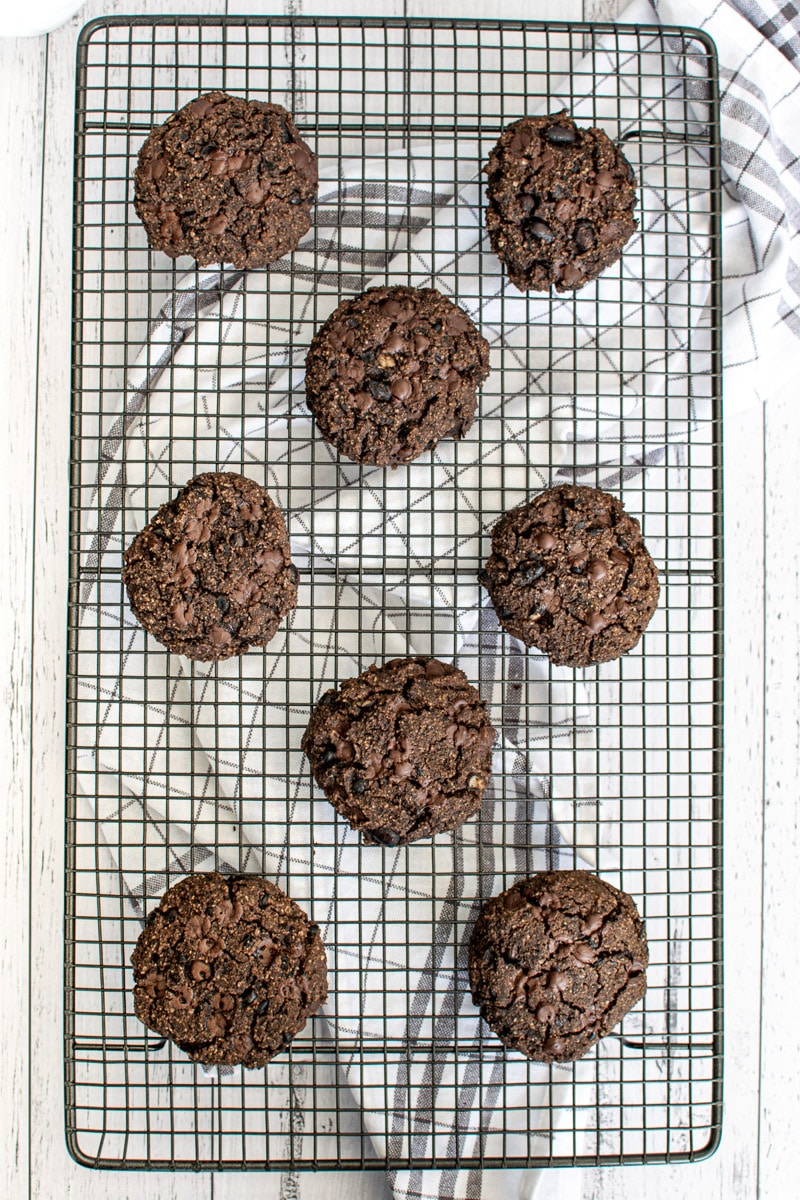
pixel 226 180
pixel 211 576
pixel 229 968
pixel 403 751
pixel 556 962
pixel 561 202
pixel 392 371
pixel 570 574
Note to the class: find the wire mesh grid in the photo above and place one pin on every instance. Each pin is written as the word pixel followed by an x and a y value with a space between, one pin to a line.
pixel 174 766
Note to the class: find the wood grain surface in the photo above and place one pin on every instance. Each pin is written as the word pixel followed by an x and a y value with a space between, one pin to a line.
pixel 23 67
pixel 758 1155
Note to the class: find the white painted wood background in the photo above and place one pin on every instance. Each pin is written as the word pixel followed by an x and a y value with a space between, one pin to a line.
pixel 759 1154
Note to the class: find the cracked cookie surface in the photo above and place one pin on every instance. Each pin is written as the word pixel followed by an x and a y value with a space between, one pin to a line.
pixel 556 962
pixel 403 751
pixel 226 180
pixel 210 575
pixel 393 371
pixel 561 200
pixel 570 574
pixel 229 968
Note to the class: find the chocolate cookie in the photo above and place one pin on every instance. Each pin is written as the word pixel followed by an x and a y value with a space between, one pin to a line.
pixel 226 180
pixel 570 574
pixel 556 962
pixel 210 576
pixel 392 371
pixel 229 968
pixel 404 751
pixel 561 202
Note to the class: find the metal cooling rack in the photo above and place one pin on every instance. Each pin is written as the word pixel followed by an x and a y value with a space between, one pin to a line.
pixel 362 88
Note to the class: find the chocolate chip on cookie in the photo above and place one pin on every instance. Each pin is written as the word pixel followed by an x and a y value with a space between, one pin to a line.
pixel 393 371
pixel 229 968
pixel 403 751
pixel 556 962
pixel 210 575
pixel 226 180
pixel 561 201
pixel 570 574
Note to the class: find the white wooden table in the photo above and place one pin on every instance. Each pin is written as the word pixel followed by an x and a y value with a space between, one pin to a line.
pixel 759 1155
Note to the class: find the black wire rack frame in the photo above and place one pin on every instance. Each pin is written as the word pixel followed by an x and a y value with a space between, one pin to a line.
pixel 637 795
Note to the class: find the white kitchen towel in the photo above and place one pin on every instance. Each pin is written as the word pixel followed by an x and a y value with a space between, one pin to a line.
pixel 758 44
pixel 190 767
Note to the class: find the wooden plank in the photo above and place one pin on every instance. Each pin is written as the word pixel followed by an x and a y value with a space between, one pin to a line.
pixel 316 8
pixel 303 1185
pixel 780 1053
pixel 49 1161
pixel 732 1171
pixel 52 1171
pixel 509 10
pixel 329 1185
pixel 22 83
